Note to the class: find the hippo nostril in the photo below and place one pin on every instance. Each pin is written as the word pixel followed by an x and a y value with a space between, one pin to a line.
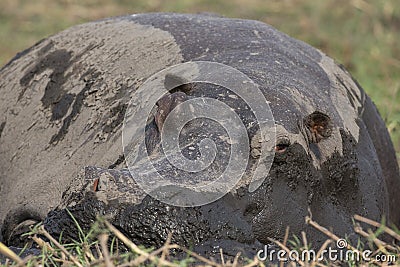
pixel 281 148
pixel 16 224
pixel 318 126
pixel 17 234
pixel 281 145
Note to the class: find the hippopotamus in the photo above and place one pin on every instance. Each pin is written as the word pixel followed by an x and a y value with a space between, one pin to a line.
pixel 64 101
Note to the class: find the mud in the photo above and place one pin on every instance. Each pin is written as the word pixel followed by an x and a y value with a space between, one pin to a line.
pixel 242 218
pixel 202 228
pixel 2 125
pixel 64 101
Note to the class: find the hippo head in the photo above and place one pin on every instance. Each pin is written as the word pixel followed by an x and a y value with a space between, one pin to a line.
pixel 320 144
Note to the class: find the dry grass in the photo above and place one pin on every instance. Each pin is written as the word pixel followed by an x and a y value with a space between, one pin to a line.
pixel 98 253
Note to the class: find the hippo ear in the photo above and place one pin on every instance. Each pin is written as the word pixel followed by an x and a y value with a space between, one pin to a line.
pixel 166 104
pixel 175 83
pixel 318 126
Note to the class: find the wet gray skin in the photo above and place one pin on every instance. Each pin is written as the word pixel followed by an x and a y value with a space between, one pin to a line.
pixel 63 102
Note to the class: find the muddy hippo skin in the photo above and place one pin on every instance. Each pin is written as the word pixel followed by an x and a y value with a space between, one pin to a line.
pixel 63 101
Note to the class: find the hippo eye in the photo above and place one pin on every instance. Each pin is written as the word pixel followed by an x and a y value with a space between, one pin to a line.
pixel 282 144
pixel 318 126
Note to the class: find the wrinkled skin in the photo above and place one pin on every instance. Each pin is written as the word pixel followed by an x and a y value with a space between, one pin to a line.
pixel 63 102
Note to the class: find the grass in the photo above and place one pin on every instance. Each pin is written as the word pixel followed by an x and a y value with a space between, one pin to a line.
pixel 93 249
pixel 363 35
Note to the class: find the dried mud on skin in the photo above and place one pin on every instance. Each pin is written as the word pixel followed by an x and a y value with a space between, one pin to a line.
pixel 64 101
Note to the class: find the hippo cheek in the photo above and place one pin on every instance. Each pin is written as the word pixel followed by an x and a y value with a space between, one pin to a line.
pixel 288 191
pixel 285 207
